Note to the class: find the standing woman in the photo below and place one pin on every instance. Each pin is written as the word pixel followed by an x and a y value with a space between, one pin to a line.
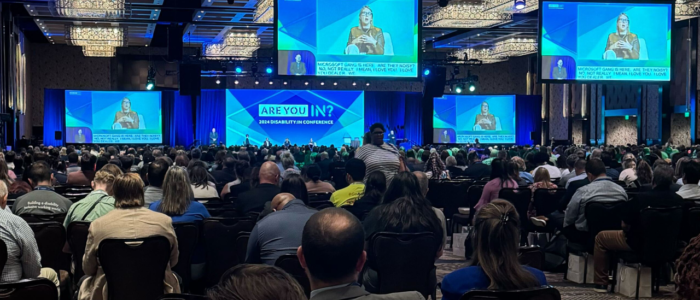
pixel 129 220
pixel 379 156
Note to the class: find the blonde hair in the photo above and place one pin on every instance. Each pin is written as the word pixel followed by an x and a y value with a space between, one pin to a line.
pixel 128 191
pixel 177 192
pixel 106 178
pixel 542 175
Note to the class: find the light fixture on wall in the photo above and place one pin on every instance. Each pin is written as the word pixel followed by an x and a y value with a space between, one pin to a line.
pixel 151 79
pixel 519 4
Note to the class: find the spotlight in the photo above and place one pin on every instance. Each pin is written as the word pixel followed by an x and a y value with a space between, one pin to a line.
pixel 257 82
pixel 323 83
pixel 285 83
pixel 235 82
pixel 367 84
pixel 218 81
pixel 270 82
pixel 472 88
pixel 519 4
pixel 426 72
pixel 239 69
pixel 458 89
pixel 335 83
pixel 354 84
pixel 151 79
pixel 443 3
pixel 268 70
pixel 150 85
pixel 306 83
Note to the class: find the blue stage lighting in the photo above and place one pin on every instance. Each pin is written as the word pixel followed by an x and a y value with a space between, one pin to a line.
pixel 458 89
pixel 519 4
pixel 426 72
pixel 239 69
pixel 268 70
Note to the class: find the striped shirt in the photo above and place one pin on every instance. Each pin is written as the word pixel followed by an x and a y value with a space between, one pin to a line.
pixel 23 258
pixel 384 158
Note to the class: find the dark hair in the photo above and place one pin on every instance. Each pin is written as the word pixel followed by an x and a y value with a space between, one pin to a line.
pixel 375 186
pixel 692 172
pixel 116 162
pixel 10 156
pixel 313 172
pixel 663 176
pixel 499 170
pixel 199 176
pixel 127 161
pixel 230 165
pixel 128 191
pixel 644 173
pixel 87 162
pixel 182 160
pixel 355 168
pixel 406 215
pixel 606 157
pixel 425 156
pixel 296 186
pixel 332 242
pixel 595 167
pixel 196 154
pixel 72 157
pixel 245 281
pixel 375 126
pixel 540 158
pixel 39 172
pixel 404 184
pixel 580 164
pixel 156 172
pixel 688 274
pixel 562 162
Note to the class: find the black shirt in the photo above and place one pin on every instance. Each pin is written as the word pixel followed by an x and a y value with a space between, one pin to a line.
pixel 254 200
pixel 223 176
pixel 658 197
pixel 477 170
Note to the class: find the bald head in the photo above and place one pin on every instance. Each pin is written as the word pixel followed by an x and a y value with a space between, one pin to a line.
pixel 281 200
pixel 269 173
pixel 423 181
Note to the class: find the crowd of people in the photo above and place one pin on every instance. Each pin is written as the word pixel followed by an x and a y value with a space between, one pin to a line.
pixel 139 192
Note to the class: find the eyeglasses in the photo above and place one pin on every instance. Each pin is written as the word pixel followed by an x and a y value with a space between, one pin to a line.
pixel 366 13
pixel 378 133
pixel 623 20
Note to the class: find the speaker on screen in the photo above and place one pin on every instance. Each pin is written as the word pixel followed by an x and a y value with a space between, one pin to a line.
pixel 434 83
pixel 58 135
pixel 190 79
pixel 174 42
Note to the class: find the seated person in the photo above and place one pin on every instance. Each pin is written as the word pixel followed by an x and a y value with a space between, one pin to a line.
pixel 601 189
pixel 254 199
pixel 86 173
pixel 373 193
pixel 278 233
pixel 541 160
pixel 314 183
pixel 43 200
pixel 495 261
pixel 631 237
pixel 332 254
pixel 244 282
pixel 156 175
pixel 691 176
pixel 355 174
pixel 96 204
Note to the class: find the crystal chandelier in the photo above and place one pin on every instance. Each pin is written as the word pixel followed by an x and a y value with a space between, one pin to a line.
pixel 102 9
pixel 507 5
pixel 99 51
pixel 485 55
pixel 264 11
pixel 108 36
pixel 220 50
pixel 460 15
pixel 234 44
pixel 687 9
pixel 515 47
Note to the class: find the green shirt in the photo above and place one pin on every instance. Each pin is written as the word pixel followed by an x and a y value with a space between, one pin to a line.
pixel 78 209
pixel 348 195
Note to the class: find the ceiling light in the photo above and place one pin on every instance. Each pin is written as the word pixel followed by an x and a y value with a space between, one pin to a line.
pixel 94 9
pixel 335 83
pixel 235 82
pixel 285 83
pixel 108 36
pixel 354 84
pixel 306 83
pixel 367 84
pixel 270 82
pixel 323 83
pixel 99 51
pixel 257 82
pixel 218 81
pixel 519 4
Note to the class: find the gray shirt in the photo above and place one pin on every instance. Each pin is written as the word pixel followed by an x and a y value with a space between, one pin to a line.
pixel 41 201
pixel 278 233
pixel 23 258
pixel 600 190
pixel 152 194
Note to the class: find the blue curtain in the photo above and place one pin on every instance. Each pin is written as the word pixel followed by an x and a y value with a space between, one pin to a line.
pixel 54 115
pixel 528 118
pixel 211 113
pixel 396 109
pixel 177 119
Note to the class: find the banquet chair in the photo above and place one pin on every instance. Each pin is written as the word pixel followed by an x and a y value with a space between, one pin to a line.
pixel 220 236
pixel 290 264
pixel 538 293
pixel 50 238
pixel 36 288
pixel 187 239
pixel 77 239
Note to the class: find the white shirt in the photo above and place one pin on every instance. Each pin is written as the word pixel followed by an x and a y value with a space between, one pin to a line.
pixel 689 192
pixel 553 171
pixel 565 172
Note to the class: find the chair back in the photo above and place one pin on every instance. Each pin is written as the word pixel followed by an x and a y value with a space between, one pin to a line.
pixel 538 293
pixel 661 228
pixel 315 197
pixel 31 218
pixel 449 194
pixel 473 195
pixel 602 216
pixel 403 261
pixel 319 205
pixel 223 212
pixel 290 264
pixel 546 201
pixel 50 238
pixel 691 223
pixel 3 255
pixel 520 198
pixel 73 193
pixel 220 236
pixel 77 239
pixel 187 239
pixel 532 256
pixel 182 297
pixel 135 268
pixel 241 246
pixel 38 288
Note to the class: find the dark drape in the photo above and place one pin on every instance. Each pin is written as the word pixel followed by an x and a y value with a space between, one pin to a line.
pixel 54 115
pixel 396 109
pixel 528 118
pixel 211 113
pixel 177 119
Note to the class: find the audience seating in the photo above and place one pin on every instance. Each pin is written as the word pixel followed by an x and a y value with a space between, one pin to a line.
pixel 404 262
pixel 135 268
pixel 37 288
pixel 220 236
pixel 31 218
pixel 316 197
pixel 290 264
pixel 532 256
pixel 182 297
pixel 458 219
pixel 521 199
pixel 77 239
pixel 50 238
pixel 691 221
pixel 187 240
pixel 539 293
pixel 319 205
pixel 74 193
pixel 223 212
pixel 661 227
pixel 206 201
pixel 3 255
pixel 546 201
pixel 241 246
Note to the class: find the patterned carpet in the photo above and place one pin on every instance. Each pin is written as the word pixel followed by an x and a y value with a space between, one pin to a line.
pixel 569 290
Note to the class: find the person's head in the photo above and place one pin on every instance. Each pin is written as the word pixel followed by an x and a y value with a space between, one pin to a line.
pixel 73 158
pixel 663 177
pixel 40 174
pixel 595 168
pixel 4 192
pixel 213 130
pixel 542 175
pixel 297 58
pixel 541 158
pixel 156 172
pixel 128 191
pixel 495 243
pixel 355 170
pixel 451 161
pixel 280 200
pixel 126 104
pixel 177 192
pixel 87 162
pixel 332 247
pixel 596 153
pixel 680 167
pixel 629 164
pixel 404 184
pixel 104 180
pixel 435 165
pixel 112 169
pixel 377 134
pixel 644 173
pixel 269 173
pixel 623 23
pixel 196 154
pixel 445 132
pixel 244 281
pixel 375 187
pixel 580 166
pixel 484 107
pixel 287 160
pixel 199 177
pixel 519 162
pixel 560 63
pixel 294 184
pixel 422 181
pixel 126 161
pixel 313 173
pixel 571 161
pixel 691 172
pixel 182 161
pixel 366 17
